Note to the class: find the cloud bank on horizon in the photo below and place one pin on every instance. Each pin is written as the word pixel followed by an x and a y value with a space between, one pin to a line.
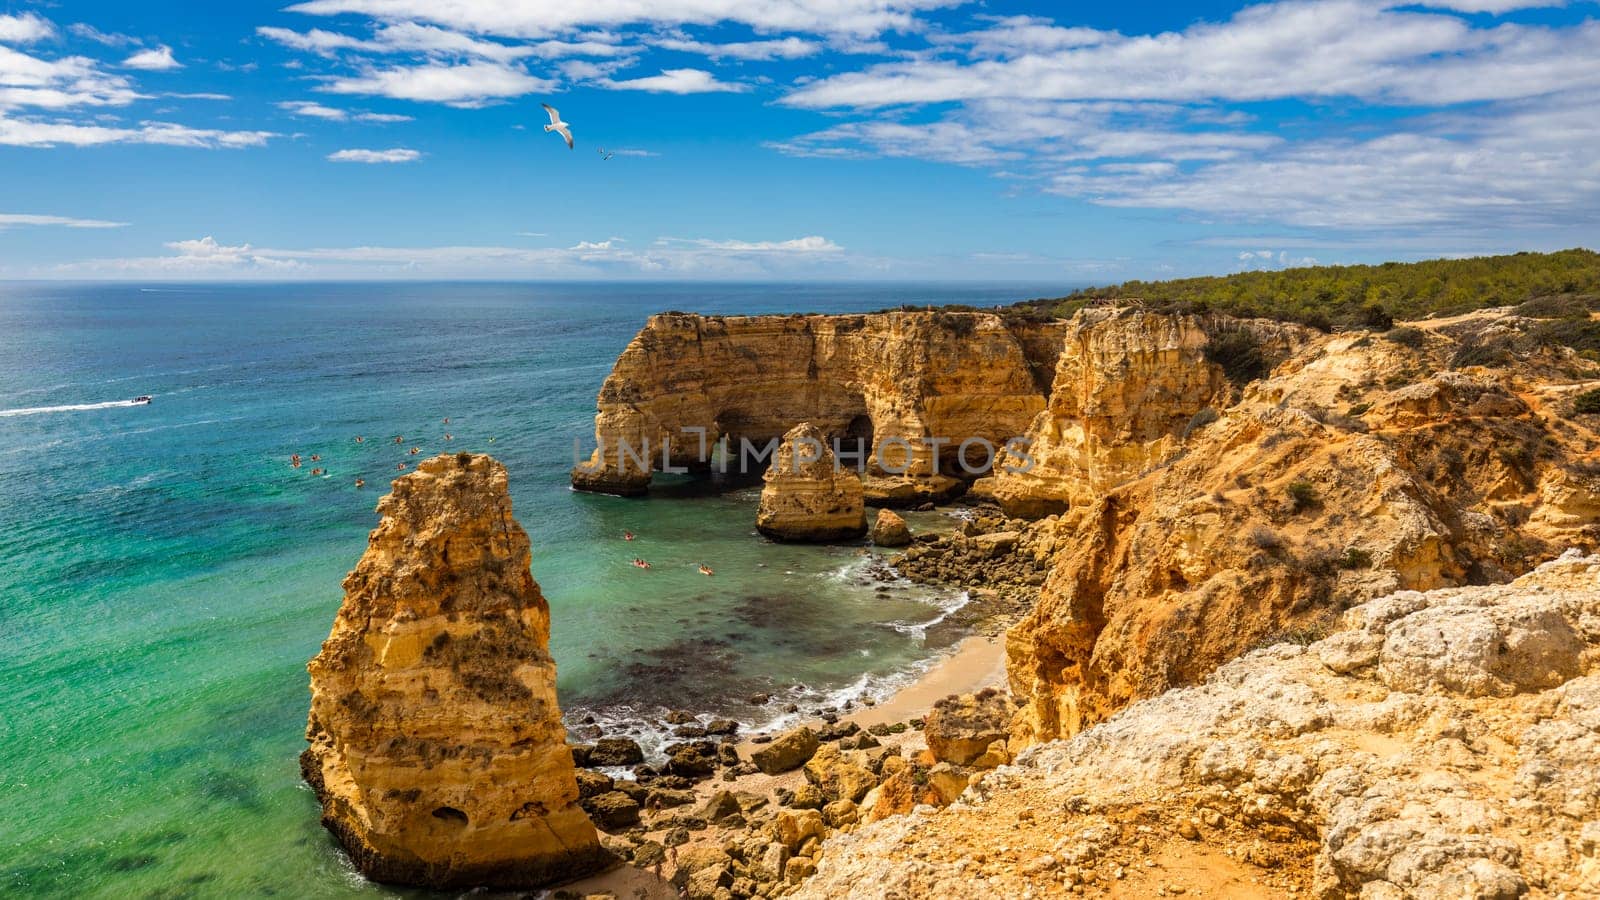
pixel 804 139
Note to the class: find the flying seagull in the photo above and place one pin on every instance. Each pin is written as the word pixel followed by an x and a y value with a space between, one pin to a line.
pixel 603 154
pixel 556 125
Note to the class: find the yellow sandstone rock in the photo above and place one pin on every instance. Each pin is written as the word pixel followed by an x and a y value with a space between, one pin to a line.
pixel 807 496
pixel 437 748
pixel 889 379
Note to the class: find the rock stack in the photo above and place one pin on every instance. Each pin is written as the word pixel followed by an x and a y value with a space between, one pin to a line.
pixel 807 497
pixel 437 749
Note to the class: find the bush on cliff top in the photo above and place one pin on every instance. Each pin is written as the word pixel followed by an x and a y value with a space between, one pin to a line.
pixel 1370 296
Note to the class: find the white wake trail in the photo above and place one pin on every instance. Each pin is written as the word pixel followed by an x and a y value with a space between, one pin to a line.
pixel 76 407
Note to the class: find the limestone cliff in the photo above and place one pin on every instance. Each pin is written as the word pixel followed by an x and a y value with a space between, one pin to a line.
pixel 1359 465
pixel 437 748
pixel 877 377
pixel 1127 387
pixel 807 495
pixel 1441 745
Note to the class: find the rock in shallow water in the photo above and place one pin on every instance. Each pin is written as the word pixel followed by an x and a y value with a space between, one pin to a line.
pixel 437 748
pixel 890 530
pixel 807 496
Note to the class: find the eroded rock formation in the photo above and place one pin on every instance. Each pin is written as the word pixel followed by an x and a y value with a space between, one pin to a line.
pixel 1127 389
pixel 1368 764
pixel 807 495
pixel 437 748
pixel 1358 466
pixel 872 378
pixel 889 529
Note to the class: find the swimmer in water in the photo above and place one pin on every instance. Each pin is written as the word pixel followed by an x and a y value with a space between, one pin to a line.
pixel 359 438
pixel 447 420
pixel 706 570
pixel 361 483
pixel 316 458
pixel 400 467
pixel 640 564
pixel 448 437
pixel 627 535
pixel 415 450
pixel 400 440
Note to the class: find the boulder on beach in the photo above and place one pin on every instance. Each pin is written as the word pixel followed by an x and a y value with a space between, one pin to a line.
pixel 961 729
pixel 807 496
pixel 890 530
pixel 791 751
pixel 615 752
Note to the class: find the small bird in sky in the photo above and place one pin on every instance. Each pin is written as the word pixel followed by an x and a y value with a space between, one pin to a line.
pixel 556 125
pixel 603 154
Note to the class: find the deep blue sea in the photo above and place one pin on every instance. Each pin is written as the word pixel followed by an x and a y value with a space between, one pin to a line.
pixel 165 574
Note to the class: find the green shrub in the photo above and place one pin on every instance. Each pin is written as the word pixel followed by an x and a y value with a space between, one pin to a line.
pixel 1200 420
pixel 1579 334
pixel 1264 538
pixel 1587 403
pixel 1369 296
pixel 1303 496
pixel 1355 558
pixel 1238 353
pixel 1406 336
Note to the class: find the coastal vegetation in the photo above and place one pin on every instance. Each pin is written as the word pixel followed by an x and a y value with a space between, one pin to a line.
pixel 1544 285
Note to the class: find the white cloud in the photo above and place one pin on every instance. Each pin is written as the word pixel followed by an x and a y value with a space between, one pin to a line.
pixel 1312 49
pixel 309 109
pixel 396 155
pixel 206 257
pixel 32 132
pixel 1530 165
pixel 90 33
pixel 157 59
pixel 15 220
pixel 785 48
pixel 1152 121
pixel 431 40
pixel 25 29
pixel 808 244
pixel 1490 6
pixel 541 18
pixel 676 81
pixel 466 84
pixel 69 81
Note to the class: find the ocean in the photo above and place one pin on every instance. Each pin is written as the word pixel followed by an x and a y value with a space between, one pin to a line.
pixel 166 573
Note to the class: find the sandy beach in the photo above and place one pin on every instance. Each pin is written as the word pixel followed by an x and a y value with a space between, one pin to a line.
pixel 977 662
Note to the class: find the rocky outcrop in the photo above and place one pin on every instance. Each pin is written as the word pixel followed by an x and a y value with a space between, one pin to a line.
pixel 889 529
pixel 807 496
pixel 1346 473
pixel 437 749
pixel 1367 764
pixel 888 379
pixel 961 729
pixel 1127 389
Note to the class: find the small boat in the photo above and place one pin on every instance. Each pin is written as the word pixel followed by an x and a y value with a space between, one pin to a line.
pixel 143 399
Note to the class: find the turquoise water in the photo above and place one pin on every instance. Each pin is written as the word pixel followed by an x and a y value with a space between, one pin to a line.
pixel 165 574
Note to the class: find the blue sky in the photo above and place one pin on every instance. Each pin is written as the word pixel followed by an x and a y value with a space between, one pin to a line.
pixel 812 139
